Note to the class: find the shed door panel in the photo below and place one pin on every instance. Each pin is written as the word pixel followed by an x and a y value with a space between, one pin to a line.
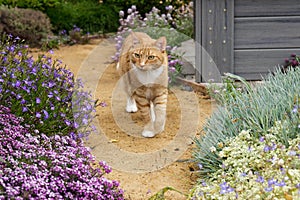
pixel 267 32
pixel 250 8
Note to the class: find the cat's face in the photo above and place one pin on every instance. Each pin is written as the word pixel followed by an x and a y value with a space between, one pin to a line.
pixel 147 58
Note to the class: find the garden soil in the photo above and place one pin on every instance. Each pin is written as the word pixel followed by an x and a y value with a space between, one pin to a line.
pixel 180 174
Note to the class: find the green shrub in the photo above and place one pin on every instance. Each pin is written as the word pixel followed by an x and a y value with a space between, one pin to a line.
pixel 34 4
pixel 90 16
pixel 28 24
pixel 255 109
pixel 62 17
pixel 100 16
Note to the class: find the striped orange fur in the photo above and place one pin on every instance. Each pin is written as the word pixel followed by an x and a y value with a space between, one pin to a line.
pixel 143 67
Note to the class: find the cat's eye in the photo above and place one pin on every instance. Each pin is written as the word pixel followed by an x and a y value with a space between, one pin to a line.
pixel 151 57
pixel 137 55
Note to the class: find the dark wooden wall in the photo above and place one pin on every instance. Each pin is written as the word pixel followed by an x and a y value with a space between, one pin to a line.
pixel 245 37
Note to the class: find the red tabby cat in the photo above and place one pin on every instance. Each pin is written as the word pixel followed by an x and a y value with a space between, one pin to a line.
pixel 143 67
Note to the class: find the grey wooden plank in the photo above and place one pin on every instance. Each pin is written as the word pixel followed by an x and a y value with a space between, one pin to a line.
pixel 198 38
pixel 267 32
pixel 253 63
pixel 267 7
pixel 217 38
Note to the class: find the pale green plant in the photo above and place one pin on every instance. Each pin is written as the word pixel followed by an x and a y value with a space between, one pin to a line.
pixel 254 168
pixel 232 85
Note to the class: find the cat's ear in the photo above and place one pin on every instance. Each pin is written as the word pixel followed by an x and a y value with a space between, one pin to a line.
pixel 135 39
pixel 161 43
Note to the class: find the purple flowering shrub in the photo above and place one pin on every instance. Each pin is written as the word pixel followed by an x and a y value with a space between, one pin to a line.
pixel 48 167
pixel 43 92
pixel 77 36
pixel 74 36
pixel 155 24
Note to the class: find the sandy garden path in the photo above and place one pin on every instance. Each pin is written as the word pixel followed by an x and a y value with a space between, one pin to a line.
pixel 143 166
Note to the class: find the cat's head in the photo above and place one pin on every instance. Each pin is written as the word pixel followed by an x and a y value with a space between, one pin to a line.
pixel 146 55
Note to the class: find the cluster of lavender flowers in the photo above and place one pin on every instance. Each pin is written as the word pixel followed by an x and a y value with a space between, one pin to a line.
pixel 42 91
pixel 157 24
pixel 41 167
pixel 134 21
pixel 175 63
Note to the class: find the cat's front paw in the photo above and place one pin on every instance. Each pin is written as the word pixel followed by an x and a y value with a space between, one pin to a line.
pixel 148 134
pixel 131 106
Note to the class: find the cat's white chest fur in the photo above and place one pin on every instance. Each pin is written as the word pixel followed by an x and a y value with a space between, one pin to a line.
pixel 147 77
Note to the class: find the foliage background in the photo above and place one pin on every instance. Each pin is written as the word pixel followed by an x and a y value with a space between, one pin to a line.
pixel 91 16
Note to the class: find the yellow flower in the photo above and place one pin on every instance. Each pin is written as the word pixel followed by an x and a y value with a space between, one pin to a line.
pixel 220 145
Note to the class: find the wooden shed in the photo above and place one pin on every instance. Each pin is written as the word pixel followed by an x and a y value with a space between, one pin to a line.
pixel 245 37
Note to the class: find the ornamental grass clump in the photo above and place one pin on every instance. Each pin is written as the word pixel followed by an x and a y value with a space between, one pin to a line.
pixel 43 92
pixel 37 166
pixel 256 109
pixel 255 168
